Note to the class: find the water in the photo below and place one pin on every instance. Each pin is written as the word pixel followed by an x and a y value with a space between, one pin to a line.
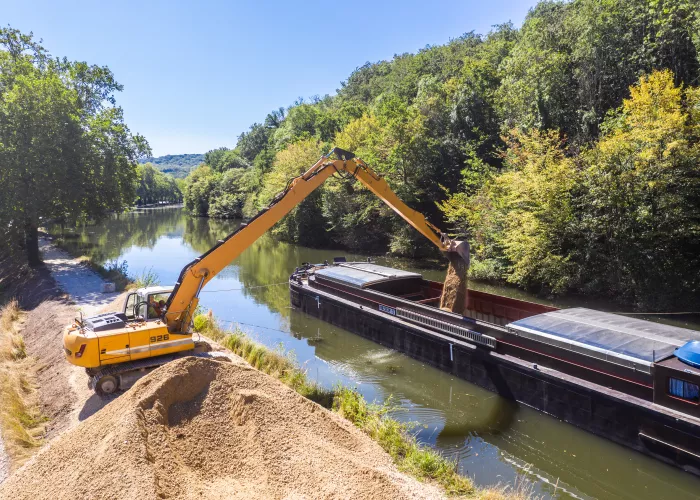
pixel 494 440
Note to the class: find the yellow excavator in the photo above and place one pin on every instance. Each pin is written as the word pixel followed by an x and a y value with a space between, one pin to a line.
pixel 155 326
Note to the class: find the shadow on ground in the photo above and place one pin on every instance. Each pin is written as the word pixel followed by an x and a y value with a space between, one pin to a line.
pixel 94 404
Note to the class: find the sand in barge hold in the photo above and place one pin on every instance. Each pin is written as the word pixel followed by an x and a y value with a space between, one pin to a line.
pixel 198 428
pixel 454 291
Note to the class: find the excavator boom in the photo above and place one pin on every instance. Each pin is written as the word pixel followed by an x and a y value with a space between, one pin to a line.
pixel 185 297
pixel 117 348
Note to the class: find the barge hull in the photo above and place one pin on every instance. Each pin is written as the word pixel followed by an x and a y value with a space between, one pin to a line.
pixel 621 418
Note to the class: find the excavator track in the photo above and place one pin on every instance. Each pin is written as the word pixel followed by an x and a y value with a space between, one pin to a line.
pixel 121 376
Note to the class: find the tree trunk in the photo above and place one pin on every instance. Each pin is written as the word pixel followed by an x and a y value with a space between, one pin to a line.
pixel 31 240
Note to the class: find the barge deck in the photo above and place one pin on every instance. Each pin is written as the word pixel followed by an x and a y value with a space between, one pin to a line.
pixel 614 376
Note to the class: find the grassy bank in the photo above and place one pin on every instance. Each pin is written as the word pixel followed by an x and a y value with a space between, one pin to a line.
pixel 21 421
pixel 393 436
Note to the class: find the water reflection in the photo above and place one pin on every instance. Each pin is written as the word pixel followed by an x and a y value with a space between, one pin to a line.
pixel 492 438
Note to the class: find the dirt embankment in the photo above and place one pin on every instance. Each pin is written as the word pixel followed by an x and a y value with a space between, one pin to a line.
pixel 37 394
pixel 60 388
pixel 199 428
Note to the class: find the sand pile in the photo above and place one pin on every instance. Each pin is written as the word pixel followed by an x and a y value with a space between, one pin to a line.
pixel 454 292
pixel 198 428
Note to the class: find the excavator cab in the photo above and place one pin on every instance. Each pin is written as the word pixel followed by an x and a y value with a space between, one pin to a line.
pixel 145 303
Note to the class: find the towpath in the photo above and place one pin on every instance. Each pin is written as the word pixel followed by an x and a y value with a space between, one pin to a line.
pixel 4 463
pixel 76 279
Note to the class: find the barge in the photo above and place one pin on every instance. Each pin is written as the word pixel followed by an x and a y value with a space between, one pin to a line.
pixel 632 381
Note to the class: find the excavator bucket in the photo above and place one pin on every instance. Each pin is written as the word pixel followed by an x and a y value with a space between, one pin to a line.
pixel 454 291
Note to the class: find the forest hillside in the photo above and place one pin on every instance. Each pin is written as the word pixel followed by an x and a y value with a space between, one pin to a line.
pixel 566 151
pixel 176 165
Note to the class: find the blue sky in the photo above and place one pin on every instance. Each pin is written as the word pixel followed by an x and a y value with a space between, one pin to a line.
pixel 197 74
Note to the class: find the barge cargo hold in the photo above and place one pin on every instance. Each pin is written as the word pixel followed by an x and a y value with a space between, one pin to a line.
pixel 631 381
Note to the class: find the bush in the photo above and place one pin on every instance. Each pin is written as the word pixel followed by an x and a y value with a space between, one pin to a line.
pixel 486 269
pixel 201 323
pixel 147 278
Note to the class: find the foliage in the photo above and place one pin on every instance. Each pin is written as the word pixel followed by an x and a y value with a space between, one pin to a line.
pixel 199 188
pixel 176 165
pixel 305 222
pixel 147 277
pixel 115 271
pixel 516 138
pixel 622 218
pixel 641 210
pixel 525 214
pixel 154 186
pixel 65 150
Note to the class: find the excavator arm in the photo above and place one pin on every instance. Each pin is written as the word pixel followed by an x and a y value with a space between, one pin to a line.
pixel 195 275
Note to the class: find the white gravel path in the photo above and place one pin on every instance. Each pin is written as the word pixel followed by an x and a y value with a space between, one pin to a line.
pixel 4 463
pixel 76 279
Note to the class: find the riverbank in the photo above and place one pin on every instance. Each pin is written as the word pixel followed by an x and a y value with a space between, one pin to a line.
pixel 67 385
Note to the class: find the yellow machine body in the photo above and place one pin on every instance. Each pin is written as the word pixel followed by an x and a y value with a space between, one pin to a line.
pixel 137 341
pixel 95 343
pixel 92 343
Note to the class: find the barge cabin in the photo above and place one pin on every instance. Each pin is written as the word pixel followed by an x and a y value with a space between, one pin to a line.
pixel 632 381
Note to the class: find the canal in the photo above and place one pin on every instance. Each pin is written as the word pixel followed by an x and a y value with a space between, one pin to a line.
pixel 493 440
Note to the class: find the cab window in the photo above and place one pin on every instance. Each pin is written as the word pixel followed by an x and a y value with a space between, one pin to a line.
pixel 156 305
pixel 131 301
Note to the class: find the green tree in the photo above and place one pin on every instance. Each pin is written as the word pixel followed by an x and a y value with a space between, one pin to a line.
pixel 64 147
pixel 229 197
pixel 213 158
pixel 200 187
pixel 305 222
pixel 641 212
pixel 154 186
pixel 522 221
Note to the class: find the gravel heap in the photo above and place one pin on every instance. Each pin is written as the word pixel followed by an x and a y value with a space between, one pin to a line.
pixel 199 428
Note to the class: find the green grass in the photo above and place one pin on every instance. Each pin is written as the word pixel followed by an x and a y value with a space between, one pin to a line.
pixel 21 421
pixel 394 437
pixel 147 277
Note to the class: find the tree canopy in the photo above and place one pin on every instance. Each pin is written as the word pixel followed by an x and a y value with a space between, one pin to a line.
pixel 65 150
pixel 566 151
pixel 155 187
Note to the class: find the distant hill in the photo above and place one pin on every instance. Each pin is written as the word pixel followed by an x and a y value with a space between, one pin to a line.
pixel 176 165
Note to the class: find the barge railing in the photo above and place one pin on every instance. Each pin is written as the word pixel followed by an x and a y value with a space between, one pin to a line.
pixel 443 326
